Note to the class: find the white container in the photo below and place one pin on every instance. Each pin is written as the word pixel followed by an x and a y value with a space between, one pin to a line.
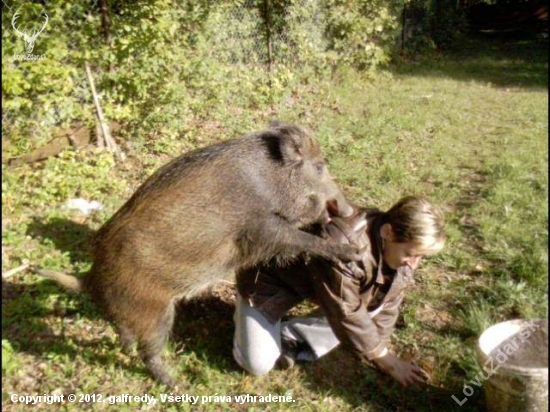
pixel 515 355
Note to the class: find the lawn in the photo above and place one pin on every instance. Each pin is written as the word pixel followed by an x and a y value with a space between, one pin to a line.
pixel 468 129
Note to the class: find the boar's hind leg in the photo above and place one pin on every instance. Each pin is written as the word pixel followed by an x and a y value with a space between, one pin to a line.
pixel 153 340
pixel 127 338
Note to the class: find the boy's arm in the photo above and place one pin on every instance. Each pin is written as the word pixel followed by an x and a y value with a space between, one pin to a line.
pixel 339 296
pixel 349 319
pixel 386 319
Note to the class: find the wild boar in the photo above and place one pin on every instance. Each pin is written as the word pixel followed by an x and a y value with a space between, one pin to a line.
pixel 199 218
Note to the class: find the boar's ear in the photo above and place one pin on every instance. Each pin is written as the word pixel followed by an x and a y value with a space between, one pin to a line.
pixel 285 144
pixel 293 144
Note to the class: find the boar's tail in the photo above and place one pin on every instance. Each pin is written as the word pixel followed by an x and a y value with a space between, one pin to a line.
pixel 69 282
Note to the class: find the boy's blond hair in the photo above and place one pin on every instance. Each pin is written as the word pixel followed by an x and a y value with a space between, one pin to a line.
pixel 414 219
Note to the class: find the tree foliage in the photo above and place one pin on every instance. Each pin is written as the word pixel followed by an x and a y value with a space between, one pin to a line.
pixel 160 65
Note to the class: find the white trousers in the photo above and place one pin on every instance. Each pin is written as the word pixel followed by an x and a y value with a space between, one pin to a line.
pixel 257 342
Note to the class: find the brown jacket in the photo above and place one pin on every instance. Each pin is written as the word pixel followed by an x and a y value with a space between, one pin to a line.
pixel 361 300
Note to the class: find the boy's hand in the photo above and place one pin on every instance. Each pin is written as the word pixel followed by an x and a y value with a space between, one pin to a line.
pixel 405 373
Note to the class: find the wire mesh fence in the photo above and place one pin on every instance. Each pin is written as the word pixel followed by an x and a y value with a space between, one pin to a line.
pixel 256 32
pixel 258 47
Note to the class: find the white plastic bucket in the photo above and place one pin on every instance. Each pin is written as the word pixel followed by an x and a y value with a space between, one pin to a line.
pixel 515 356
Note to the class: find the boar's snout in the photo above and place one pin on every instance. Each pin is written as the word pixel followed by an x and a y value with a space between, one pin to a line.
pixel 339 208
pixel 336 204
pixel 345 209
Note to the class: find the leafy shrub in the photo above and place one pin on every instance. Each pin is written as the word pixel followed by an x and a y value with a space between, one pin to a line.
pixel 165 66
pixel 363 32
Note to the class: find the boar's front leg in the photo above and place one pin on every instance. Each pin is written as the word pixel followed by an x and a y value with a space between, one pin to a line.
pixel 277 238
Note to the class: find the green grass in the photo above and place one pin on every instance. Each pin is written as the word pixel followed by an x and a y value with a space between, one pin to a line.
pixel 468 130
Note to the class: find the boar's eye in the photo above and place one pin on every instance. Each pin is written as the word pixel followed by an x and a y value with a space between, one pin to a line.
pixel 320 167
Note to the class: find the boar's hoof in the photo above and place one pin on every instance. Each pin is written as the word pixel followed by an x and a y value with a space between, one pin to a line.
pixel 166 379
pixel 156 368
pixel 347 253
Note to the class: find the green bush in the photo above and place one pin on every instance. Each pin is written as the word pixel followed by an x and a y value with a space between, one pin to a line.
pixel 363 32
pixel 167 66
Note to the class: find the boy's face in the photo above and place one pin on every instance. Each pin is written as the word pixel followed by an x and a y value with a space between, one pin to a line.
pixel 398 254
pixel 402 254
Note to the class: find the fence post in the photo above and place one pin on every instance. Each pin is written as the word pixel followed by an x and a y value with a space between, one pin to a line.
pixel 268 34
pixel 403 26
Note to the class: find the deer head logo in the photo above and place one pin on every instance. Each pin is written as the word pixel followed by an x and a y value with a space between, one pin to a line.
pixel 29 39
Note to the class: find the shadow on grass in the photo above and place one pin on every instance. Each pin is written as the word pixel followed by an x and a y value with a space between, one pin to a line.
pixel 340 375
pixel 28 322
pixel 204 325
pixel 513 59
pixel 67 236
pixel 74 326
pixel 31 326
